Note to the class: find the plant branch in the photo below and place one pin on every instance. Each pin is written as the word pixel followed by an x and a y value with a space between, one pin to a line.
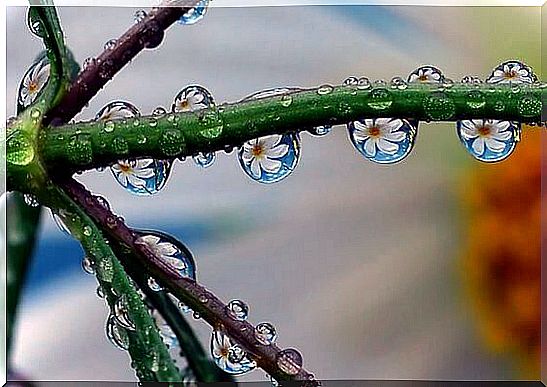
pixel 146 34
pixel 90 145
pixel 192 294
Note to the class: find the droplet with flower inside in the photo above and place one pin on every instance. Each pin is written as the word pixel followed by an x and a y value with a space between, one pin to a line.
pixel 489 140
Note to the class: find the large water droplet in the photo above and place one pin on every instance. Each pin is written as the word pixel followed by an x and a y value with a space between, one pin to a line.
pixel 265 333
pixel 426 74
pixel 512 71
pixel 117 110
pixel 489 140
pixel 34 24
pixel 192 98
pixel 530 106
pixel 238 310
pixel 116 334
pixel 195 14
pixel 142 177
pixel 170 250
pixel 271 158
pixel 121 313
pixel 230 357
pixel 383 140
pixel 33 82
pixel 289 361
pixel 204 160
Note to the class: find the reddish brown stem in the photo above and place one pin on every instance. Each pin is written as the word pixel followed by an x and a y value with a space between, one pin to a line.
pixel 200 300
pixel 148 33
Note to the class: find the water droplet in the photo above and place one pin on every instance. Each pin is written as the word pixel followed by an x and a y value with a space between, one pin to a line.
pixel 364 83
pixel 79 149
pixel 87 231
pixel 489 140
pixel 170 250
pixel 30 200
pixel 380 83
pixel 153 285
pixel 426 74
pixel 34 25
pixel 172 142
pixel 100 292
pixel 106 68
pixel 513 72
pixel 103 202
pixel 195 14
pixel 383 140
pixel 121 313
pixel 139 16
pixel 116 110
pixel 325 89
pixel 203 299
pixel 351 81
pixel 499 106
pixel 192 98
pixel 529 106
pixel 439 106
pixel 270 159
pixel 196 315
pixel 471 79
pixel 204 160
pixel 398 83
pixel 265 333
pixel 476 99
pixel 286 100
pixel 159 111
pixel 238 310
pixel 60 224
pixel 212 124
pixel 33 82
pixel 116 334
pixel 110 44
pixel 289 361
pixel 87 265
pixel 20 150
pixel 320 131
pixel 105 269
pixel 142 177
pixel 228 356
pixel 380 99
pixel 270 93
pixel 89 62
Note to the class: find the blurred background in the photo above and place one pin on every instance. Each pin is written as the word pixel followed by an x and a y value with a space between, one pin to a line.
pixel 427 269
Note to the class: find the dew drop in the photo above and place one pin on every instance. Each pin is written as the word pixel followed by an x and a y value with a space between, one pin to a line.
pixel 33 82
pixel 212 124
pixel 529 107
pixel 87 231
pixel 87 265
pixel 159 111
pixel 325 89
pixel 110 44
pixel 34 25
pixel 20 150
pixel 172 142
pixel 439 106
pixel 286 100
pixel 471 79
pixel 320 131
pixel 489 140
pixel 351 81
pixel 139 16
pixel 228 356
pixel 289 361
pixel 476 100
pixel 195 14
pixel 265 333
pixel 204 160
pixel 383 140
pixel 89 62
pixel 30 200
pixel 426 74
pixel 116 334
pixel 499 106
pixel 380 99
pixel 512 72
pixel 364 83
pixel 103 202
pixel 270 159
pixel 192 98
pixel 398 83
pixel 238 310
pixel 153 285
pixel 171 251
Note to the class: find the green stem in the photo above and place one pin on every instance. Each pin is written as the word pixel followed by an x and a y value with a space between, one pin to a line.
pixel 22 222
pixel 90 145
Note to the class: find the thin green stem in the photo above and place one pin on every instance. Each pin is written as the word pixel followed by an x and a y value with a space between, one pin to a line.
pixel 90 145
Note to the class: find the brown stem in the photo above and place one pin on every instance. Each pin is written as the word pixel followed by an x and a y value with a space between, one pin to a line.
pixel 200 300
pixel 148 33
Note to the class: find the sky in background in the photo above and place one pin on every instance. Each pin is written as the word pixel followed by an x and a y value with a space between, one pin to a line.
pixel 354 263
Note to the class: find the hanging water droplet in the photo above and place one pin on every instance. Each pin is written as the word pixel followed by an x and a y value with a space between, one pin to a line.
pixel 153 285
pixel 33 82
pixel 139 16
pixel 192 98
pixel 325 89
pixel 320 131
pixel 204 160
pixel 195 14
pixel 289 361
pixel 383 140
pixel 30 200
pixel 270 159
pixel 116 334
pixel 238 310
pixel 87 265
pixel 512 71
pixel 265 333
pixel 110 44
pixel 121 313
pixel 489 140
pixel 142 177
pixel 159 111
pixel 170 250
pixel 398 83
pixel 426 74
pixel 351 81
pixel 228 356
pixel 34 25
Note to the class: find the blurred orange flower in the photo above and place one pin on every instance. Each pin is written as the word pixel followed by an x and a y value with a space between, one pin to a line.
pixel 502 259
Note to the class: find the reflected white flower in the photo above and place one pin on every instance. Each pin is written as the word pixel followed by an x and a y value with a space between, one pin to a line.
pixel 191 100
pixel 511 72
pixel 33 82
pixel 263 154
pixel 134 172
pixel 165 250
pixel 117 110
pixel 486 133
pixel 230 357
pixel 379 135
pixel 426 75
